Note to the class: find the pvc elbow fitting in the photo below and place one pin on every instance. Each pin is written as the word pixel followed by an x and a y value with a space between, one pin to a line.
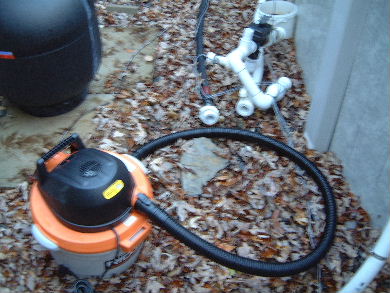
pixel 209 114
pixel 245 107
pixel 276 35
pixel 262 101
pixel 273 90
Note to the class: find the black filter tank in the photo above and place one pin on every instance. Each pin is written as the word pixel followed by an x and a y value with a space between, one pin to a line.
pixel 49 52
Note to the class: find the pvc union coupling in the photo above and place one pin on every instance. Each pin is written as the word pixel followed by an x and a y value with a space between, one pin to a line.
pixel 209 114
pixel 245 107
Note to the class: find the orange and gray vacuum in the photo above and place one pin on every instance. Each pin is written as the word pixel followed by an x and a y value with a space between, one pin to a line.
pixel 93 209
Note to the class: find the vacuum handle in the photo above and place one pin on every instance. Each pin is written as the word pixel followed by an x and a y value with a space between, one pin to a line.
pixel 73 141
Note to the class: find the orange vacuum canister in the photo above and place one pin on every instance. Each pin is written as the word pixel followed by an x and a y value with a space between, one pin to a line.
pixel 82 208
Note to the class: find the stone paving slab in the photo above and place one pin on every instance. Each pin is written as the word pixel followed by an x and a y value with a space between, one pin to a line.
pixel 119 45
pixel 129 9
pixel 23 138
pixel 202 164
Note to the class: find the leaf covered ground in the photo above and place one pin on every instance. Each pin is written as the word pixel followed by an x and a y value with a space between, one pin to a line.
pixel 261 206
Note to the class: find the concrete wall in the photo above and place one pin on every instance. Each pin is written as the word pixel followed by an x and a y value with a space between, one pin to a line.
pixel 345 58
pixel 310 42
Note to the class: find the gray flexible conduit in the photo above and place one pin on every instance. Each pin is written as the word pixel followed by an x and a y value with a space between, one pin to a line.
pixel 246 265
pixel 200 58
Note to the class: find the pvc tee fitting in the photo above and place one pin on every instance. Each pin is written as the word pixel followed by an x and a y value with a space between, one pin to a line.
pixel 262 101
pixel 209 114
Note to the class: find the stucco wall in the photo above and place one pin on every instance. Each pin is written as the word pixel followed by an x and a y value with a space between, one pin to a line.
pixel 310 39
pixel 350 107
pixel 361 137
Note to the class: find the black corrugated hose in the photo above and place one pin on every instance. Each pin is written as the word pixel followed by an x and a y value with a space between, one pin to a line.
pixel 200 58
pixel 250 266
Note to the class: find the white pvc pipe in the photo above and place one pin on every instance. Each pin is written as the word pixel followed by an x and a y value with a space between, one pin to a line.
pixel 372 266
pixel 382 247
pixel 235 58
pixel 259 71
pixel 244 106
pixel 277 34
pixel 258 98
pixel 235 61
pixel 251 65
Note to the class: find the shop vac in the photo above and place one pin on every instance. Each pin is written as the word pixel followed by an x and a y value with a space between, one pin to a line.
pixel 49 53
pixel 93 209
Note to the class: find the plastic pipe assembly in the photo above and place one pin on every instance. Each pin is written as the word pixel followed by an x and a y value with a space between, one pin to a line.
pixel 247 61
pixel 238 61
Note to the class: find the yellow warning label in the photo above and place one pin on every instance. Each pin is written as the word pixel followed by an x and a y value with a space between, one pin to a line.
pixel 113 189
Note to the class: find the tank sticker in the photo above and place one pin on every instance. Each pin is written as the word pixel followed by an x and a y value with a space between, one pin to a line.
pixel 113 189
pixel 6 55
pixel 130 221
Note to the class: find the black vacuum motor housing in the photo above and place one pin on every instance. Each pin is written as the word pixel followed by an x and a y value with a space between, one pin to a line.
pixel 89 192
pixel 49 52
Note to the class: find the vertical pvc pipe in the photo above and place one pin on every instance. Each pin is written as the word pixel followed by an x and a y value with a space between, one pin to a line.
pixel 372 266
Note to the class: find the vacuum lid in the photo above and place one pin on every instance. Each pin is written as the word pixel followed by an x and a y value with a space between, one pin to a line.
pixel 90 191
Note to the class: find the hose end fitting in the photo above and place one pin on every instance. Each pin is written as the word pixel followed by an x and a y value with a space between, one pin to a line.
pixel 245 107
pixel 209 114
